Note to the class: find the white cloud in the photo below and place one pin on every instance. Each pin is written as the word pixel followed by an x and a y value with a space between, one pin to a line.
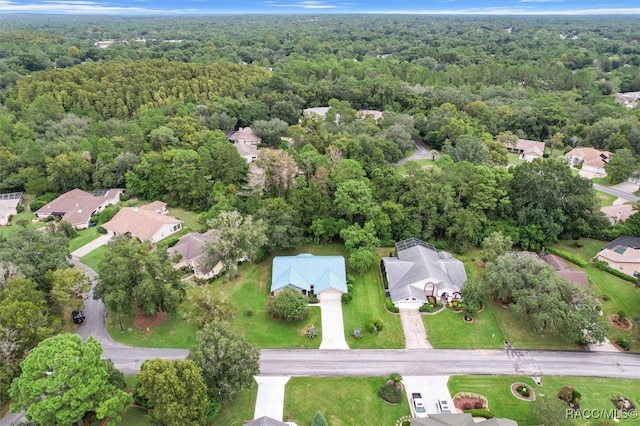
pixel 512 11
pixel 72 7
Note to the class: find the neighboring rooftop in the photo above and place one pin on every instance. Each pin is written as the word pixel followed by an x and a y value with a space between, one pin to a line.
pixel 192 249
pixel 244 135
pixel 590 156
pixel 306 270
pixel 139 222
pixel 572 276
pixel 77 206
pixel 618 214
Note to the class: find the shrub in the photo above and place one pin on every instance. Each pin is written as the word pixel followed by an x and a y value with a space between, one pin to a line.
pixel 249 312
pixel 356 333
pixel 467 406
pixel 171 241
pixel 101 230
pixel 19 208
pixel 350 279
pixel 289 304
pixel 312 331
pixel 390 393
pixel 567 256
pixel 66 229
pixel 375 325
pixel 346 298
pixel 22 222
pixel 390 306
pixel 313 298
pixel 524 391
pixel 624 344
pixel 569 395
pixel 319 420
pixel 478 405
pixel 42 200
pixel 481 413
pixel 604 266
pixel 606 297
pixel 426 307
pixel 622 317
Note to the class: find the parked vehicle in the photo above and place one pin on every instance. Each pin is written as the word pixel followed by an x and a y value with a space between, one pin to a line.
pixel 418 405
pixel 444 407
pixel 78 317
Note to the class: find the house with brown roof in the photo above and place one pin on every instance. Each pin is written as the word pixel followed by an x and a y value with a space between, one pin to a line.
pixel 77 206
pixel 572 276
pixel 592 160
pixel 618 214
pixel 244 135
pixel 9 206
pixel 622 254
pixel 628 99
pixel 526 149
pixel 191 252
pixel 156 207
pixel 143 223
pixel 245 142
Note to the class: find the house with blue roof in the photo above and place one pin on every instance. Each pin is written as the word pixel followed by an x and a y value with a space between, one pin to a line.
pixel 309 274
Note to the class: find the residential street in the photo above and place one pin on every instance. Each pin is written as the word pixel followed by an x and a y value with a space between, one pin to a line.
pixel 613 191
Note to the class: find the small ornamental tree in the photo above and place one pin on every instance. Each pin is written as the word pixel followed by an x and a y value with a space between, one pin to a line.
pixel 289 304
pixel 375 325
pixel 319 420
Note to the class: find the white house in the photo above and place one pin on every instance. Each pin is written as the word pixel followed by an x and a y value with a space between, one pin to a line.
pixel 77 206
pixel 9 206
pixel 592 160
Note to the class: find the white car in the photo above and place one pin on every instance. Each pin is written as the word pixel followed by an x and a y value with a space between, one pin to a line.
pixel 444 407
pixel 418 405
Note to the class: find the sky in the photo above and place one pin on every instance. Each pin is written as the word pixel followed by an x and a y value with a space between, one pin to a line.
pixel 440 7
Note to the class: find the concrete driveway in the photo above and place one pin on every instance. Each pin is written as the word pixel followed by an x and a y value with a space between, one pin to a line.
pixel 332 322
pixel 432 389
pixel 91 246
pixel 270 399
pixel 415 335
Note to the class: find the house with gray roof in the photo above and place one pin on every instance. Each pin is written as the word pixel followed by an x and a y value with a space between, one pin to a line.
pixel 309 274
pixel 419 271
pixel 191 252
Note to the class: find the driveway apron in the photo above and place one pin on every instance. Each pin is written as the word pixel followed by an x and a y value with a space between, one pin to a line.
pixel 415 335
pixel 270 399
pixel 332 322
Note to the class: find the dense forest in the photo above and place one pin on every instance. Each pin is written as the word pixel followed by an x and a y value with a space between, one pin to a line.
pixel 149 112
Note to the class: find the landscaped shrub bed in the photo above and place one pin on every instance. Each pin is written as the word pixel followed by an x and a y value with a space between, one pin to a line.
pixel 480 413
pixel 390 306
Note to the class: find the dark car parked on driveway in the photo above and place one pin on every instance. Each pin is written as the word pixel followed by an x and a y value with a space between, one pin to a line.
pixel 78 317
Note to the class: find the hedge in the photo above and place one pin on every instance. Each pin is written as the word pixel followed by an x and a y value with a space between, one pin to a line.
pixel 604 266
pixel 390 306
pixel 567 256
pixel 480 412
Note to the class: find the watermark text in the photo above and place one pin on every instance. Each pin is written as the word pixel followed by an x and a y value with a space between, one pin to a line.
pixel 599 413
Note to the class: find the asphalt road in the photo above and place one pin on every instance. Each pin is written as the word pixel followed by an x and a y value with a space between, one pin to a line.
pixel 435 362
pixel 616 192
pixel 421 153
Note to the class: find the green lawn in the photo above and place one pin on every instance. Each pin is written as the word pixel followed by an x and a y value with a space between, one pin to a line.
pixel 368 302
pixel 343 401
pixel 134 416
pixel 240 410
pixel 174 332
pixel 94 258
pixel 426 162
pixel 189 218
pixel 26 216
pixel 84 236
pixel 251 291
pixel 514 159
pixel 624 295
pixel 447 329
pixel 497 389
pixel 605 199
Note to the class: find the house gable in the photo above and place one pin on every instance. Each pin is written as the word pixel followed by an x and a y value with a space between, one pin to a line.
pixel 143 224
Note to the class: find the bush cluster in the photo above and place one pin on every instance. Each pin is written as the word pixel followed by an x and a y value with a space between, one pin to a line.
pixel 480 413
pixel 375 325
pixel 426 307
pixel 390 393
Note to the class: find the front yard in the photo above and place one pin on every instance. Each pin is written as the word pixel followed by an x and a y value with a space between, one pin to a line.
pixel 343 401
pixel 595 393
